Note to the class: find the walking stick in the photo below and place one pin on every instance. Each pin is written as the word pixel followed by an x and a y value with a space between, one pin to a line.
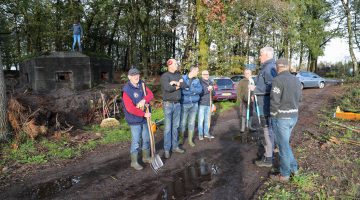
pixel 210 111
pixel 257 109
pixel 251 82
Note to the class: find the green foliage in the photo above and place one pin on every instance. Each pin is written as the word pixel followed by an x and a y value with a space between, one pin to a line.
pixel 26 153
pixel 224 106
pixel 112 135
pixel 305 182
pixel 278 193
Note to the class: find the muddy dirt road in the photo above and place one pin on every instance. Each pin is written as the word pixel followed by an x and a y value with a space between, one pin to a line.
pixel 219 169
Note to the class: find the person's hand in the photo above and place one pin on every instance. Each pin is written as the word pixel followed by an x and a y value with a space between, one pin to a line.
pixel 252 98
pixel 181 80
pixel 147 115
pixel 141 104
pixel 252 87
pixel 173 83
pixel 210 88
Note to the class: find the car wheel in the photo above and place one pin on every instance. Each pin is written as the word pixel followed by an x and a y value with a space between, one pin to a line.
pixel 302 86
pixel 321 85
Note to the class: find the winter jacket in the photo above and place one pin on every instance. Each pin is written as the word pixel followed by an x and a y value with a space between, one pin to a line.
pixel 77 29
pixel 169 92
pixel 205 94
pixel 285 96
pixel 132 95
pixel 263 86
pixel 191 94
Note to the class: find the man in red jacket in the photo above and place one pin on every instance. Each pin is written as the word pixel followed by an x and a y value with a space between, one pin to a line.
pixel 134 100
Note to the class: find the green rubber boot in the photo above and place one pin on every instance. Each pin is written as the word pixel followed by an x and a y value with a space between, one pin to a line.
pixel 190 139
pixel 146 156
pixel 181 138
pixel 134 162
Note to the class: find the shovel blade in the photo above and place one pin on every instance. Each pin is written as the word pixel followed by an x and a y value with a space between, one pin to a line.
pixel 156 163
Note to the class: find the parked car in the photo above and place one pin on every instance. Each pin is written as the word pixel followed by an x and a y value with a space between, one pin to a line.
pixel 310 79
pixel 237 78
pixel 224 89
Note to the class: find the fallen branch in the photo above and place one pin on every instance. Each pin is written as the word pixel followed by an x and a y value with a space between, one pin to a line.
pixel 347 127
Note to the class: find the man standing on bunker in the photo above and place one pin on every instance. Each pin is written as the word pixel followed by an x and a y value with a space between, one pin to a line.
pixel 77 34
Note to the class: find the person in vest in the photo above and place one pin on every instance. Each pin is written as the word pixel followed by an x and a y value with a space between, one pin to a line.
pixel 171 84
pixel 262 90
pixel 190 97
pixel 134 108
pixel 204 106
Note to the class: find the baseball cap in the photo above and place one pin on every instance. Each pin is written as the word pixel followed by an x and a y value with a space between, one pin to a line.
pixel 282 62
pixel 133 71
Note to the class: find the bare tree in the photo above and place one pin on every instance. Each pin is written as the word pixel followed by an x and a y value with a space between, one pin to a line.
pixel 347 11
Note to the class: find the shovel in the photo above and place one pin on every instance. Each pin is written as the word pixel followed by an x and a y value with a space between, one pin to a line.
pixel 156 162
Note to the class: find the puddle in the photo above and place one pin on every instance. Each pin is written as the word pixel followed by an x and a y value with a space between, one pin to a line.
pixel 188 182
pixel 48 189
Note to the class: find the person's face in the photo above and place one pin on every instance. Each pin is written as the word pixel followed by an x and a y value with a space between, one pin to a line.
pixel 173 67
pixel 134 79
pixel 205 75
pixel 195 72
pixel 263 57
pixel 247 74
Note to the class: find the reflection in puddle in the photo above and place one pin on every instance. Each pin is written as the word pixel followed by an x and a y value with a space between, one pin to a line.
pixel 188 181
pixel 48 189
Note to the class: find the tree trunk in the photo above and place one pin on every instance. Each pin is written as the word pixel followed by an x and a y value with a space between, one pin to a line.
pixel 203 37
pixel 4 125
pixel 351 35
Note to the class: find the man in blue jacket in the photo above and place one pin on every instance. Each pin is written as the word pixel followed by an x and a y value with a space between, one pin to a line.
pixel 190 97
pixel 262 91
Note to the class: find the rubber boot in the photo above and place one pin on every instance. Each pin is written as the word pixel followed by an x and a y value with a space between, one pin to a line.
pixel 243 121
pixel 146 156
pixel 190 138
pixel 181 138
pixel 134 162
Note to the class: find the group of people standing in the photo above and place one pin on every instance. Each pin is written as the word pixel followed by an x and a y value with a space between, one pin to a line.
pixel 276 90
pixel 185 97
pixel 278 94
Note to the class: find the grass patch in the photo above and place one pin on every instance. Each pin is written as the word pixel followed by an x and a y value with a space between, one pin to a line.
pixel 278 193
pixel 305 181
pixel 225 105
pixel 26 153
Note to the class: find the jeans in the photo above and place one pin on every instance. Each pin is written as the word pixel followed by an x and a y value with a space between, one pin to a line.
pixel 188 110
pixel 268 136
pixel 76 38
pixel 172 121
pixel 139 132
pixel 203 120
pixel 282 128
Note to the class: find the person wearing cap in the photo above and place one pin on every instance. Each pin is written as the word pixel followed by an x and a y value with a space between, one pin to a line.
pixel 171 85
pixel 285 96
pixel 134 100
pixel 190 97
pixel 262 90
pixel 204 106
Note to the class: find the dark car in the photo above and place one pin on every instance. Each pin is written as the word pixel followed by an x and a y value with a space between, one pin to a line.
pixel 224 89
pixel 310 79
pixel 237 78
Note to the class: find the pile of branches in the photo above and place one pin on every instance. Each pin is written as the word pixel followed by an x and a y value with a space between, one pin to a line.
pixel 34 122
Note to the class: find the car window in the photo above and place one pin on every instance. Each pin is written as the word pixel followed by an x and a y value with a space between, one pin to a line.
pixel 305 74
pixel 236 78
pixel 223 82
